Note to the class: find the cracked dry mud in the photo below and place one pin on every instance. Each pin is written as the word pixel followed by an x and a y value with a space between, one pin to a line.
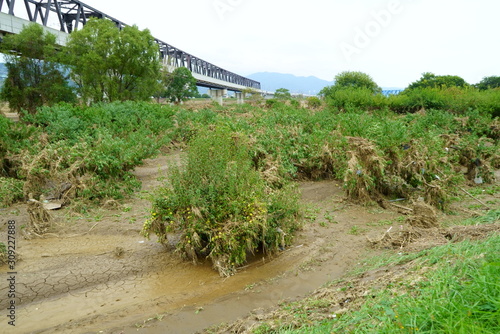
pixel 96 274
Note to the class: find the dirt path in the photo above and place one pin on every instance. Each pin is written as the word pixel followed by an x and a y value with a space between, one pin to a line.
pixel 100 276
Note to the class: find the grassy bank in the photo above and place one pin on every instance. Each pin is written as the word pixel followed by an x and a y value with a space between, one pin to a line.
pixel 448 289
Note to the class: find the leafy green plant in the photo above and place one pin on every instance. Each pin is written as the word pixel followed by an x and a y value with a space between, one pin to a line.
pixel 219 206
pixel 282 94
pixel 313 102
pixel 350 99
pixel 92 148
pixel 273 103
pixel 430 80
pixel 3 253
pixel 11 191
pixel 178 85
pixel 356 80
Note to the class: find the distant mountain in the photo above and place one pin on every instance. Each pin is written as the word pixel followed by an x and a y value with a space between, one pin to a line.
pixel 303 85
pixel 271 81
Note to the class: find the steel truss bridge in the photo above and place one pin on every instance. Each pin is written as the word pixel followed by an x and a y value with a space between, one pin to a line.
pixel 71 15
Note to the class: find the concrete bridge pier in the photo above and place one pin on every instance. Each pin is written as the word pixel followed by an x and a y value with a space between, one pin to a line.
pixel 240 98
pixel 217 94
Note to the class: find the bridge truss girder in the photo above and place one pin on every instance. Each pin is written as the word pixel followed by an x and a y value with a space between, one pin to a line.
pixel 71 15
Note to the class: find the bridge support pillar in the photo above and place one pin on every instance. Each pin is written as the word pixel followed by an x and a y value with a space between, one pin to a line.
pixel 217 94
pixel 239 98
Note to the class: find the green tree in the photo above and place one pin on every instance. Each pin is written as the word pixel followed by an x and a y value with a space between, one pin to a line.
pixel 109 64
pixel 430 80
pixel 489 83
pixel 282 94
pixel 350 79
pixel 179 85
pixel 34 78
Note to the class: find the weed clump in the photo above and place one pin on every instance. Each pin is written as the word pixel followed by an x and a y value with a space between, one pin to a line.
pixel 3 254
pixel 365 170
pixel 40 218
pixel 218 206
pixel 11 191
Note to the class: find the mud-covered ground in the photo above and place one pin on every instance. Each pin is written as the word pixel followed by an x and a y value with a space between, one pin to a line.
pixel 95 274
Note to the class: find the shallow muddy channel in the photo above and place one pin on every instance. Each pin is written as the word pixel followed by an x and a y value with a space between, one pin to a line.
pixel 112 280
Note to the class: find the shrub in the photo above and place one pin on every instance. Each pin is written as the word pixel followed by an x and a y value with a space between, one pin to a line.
pixel 313 102
pixel 489 83
pixel 349 99
pixel 273 103
pixel 90 150
pixel 4 142
pixel 295 103
pixel 453 99
pixel 282 94
pixel 3 254
pixel 356 80
pixel 430 80
pixel 219 206
pixel 11 191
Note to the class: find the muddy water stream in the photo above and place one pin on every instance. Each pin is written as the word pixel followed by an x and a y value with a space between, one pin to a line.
pixel 106 278
pixel 83 284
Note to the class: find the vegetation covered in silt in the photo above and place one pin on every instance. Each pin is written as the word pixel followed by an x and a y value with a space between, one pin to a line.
pixel 217 205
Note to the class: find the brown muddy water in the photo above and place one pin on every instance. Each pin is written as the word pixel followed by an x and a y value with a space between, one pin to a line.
pixel 103 277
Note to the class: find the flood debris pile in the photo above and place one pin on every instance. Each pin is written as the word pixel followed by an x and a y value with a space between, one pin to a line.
pixel 365 170
pixel 430 168
pixel 40 219
pixel 55 173
pixel 421 223
pixel 422 230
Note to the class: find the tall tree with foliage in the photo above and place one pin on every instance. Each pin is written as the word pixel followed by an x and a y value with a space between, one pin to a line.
pixel 430 80
pixel 350 82
pixel 109 64
pixel 178 85
pixel 349 79
pixel 282 94
pixel 489 83
pixel 34 78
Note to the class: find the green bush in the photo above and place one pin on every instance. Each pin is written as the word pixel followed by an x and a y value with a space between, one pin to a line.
pixel 295 103
pixel 91 148
pixel 430 80
pixel 3 254
pixel 274 103
pixel 313 102
pixel 356 80
pixel 456 100
pixel 489 83
pixel 11 191
pixel 120 119
pixel 350 99
pixel 4 142
pixel 219 205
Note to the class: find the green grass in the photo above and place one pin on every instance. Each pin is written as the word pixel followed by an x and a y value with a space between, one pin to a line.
pixel 449 289
pixel 3 253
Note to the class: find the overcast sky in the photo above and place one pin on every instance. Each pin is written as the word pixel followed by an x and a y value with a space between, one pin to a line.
pixel 394 41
